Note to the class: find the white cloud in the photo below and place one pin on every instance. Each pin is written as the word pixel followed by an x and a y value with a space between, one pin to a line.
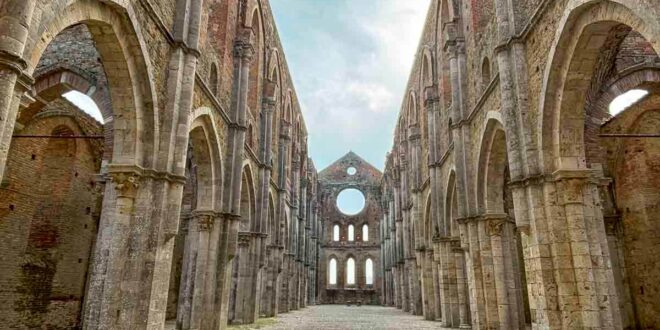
pixel 350 60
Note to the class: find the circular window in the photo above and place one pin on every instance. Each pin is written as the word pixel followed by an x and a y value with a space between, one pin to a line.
pixel 351 170
pixel 350 201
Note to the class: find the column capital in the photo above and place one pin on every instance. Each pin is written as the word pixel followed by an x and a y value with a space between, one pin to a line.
pixel 204 219
pixel 414 134
pixel 431 97
pixel 126 183
pixel 244 45
pixel 268 105
pixel 285 130
pixel 244 238
pixel 12 62
pixel 454 48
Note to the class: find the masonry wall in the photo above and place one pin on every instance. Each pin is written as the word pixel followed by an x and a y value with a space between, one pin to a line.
pixel 505 104
pixel 166 77
pixel 49 219
pixel 332 181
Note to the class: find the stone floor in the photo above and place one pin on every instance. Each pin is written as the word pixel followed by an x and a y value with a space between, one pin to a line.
pixel 344 317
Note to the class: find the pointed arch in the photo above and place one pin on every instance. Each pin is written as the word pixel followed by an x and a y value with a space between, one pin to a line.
pixel 568 73
pixel 492 163
pixel 413 116
pixel 369 272
pixel 427 76
pixel 117 39
pixel 248 200
pixel 429 224
pixel 214 82
pixel 351 271
pixel 450 228
pixel 207 153
pixel 333 271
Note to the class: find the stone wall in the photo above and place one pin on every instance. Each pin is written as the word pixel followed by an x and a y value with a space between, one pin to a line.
pixel 332 181
pixel 167 174
pixel 524 182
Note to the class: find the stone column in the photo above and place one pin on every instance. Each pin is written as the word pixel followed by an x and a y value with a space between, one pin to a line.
pixel 104 296
pixel 428 292
pixel 461 287
pixel 243 53
pixel 448 282
pixel 261 226
pixel 196 289
pixel 15 18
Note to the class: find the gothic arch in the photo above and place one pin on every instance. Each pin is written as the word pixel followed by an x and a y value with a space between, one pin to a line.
pixel 568 72
pixel 427 76
pixel 130 82
pixel 429 225
pixel 248 200
pixel 413 111
pixel 208 159
pixel 492 163
pixel 450 228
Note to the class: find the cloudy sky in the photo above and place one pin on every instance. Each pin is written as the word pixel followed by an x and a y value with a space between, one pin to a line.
pixel 350 61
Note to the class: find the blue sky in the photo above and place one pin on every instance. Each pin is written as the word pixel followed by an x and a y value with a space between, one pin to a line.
pixel 350 61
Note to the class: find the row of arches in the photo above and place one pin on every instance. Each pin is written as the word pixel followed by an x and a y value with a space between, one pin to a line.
pixel 522 194
pixel 138 215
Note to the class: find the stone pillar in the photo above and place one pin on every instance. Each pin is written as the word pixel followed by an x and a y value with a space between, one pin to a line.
pixel 196 289
pixel 428 288
pixel 462 288
pixel 104 294
pixel 243 53
pixel 448 282
pixel 15 17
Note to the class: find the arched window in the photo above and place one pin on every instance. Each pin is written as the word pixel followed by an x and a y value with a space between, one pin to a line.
pixel 485 73
pixel 365 233
pixel 332 272
pixel 335 233
pixel 350 271
pixel 369 272
pixel 213 79
pixel 351 233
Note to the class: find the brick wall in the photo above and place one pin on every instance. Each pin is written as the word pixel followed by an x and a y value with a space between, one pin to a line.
pixel 48 221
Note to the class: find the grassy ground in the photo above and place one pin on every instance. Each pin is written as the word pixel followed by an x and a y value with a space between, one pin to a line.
pixel 257 325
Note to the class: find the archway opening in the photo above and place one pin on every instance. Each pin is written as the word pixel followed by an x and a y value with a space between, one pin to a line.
pixel 610 76
pixel 51 189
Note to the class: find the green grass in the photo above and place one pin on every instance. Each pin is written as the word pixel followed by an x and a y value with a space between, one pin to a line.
pixel 256 325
